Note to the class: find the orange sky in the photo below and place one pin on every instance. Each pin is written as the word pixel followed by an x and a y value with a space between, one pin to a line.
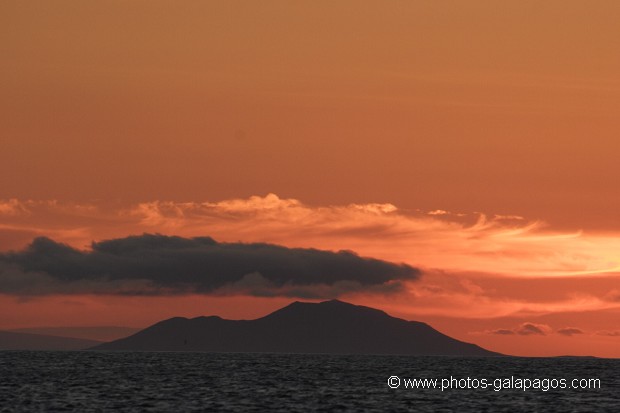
pixel 366 118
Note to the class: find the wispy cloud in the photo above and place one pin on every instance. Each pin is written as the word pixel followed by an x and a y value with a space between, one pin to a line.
pixel 502 332
pixel 530 329
pixel 570 331
pixel 470 242
pixel 463 255
pixel 12 207
pixel 534 329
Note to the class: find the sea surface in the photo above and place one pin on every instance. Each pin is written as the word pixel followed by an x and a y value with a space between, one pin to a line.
pixel 183 382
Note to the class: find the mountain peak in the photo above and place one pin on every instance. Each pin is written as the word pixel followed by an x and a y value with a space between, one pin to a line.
pixel 325 311
pixel 335 301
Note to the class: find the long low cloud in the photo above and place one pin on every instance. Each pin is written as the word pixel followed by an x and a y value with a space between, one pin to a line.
pixel 167 265
pixel 475 265
pixel 532 329
pixel 458 242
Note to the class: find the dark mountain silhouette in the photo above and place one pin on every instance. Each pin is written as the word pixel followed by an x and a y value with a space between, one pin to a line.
pixel 24 341
pixel 100 333
pixel 328 327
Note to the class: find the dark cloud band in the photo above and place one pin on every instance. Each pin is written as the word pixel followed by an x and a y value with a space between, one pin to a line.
pixel 161 265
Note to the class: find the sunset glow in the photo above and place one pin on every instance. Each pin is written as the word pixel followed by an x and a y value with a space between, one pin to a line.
pixel 475 142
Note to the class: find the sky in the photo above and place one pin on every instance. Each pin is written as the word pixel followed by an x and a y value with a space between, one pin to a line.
pixel 461 154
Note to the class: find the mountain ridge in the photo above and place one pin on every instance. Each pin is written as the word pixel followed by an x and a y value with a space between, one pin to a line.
pixel 96 333
pixel 334 327
pixel 10 340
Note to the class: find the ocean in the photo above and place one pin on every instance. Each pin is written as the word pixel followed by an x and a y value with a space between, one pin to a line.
pixel 184 382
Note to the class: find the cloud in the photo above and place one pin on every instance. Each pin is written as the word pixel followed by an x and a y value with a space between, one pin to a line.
pixel 527 329
pixel 12 207
pixel 532 329
pixel 470 242
pixel 608 333
pixel 486 263
pixel 503 332
pixel 167 265
pixel 613 296
pixel 508 217
pixel 569 331
pixel 438 212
